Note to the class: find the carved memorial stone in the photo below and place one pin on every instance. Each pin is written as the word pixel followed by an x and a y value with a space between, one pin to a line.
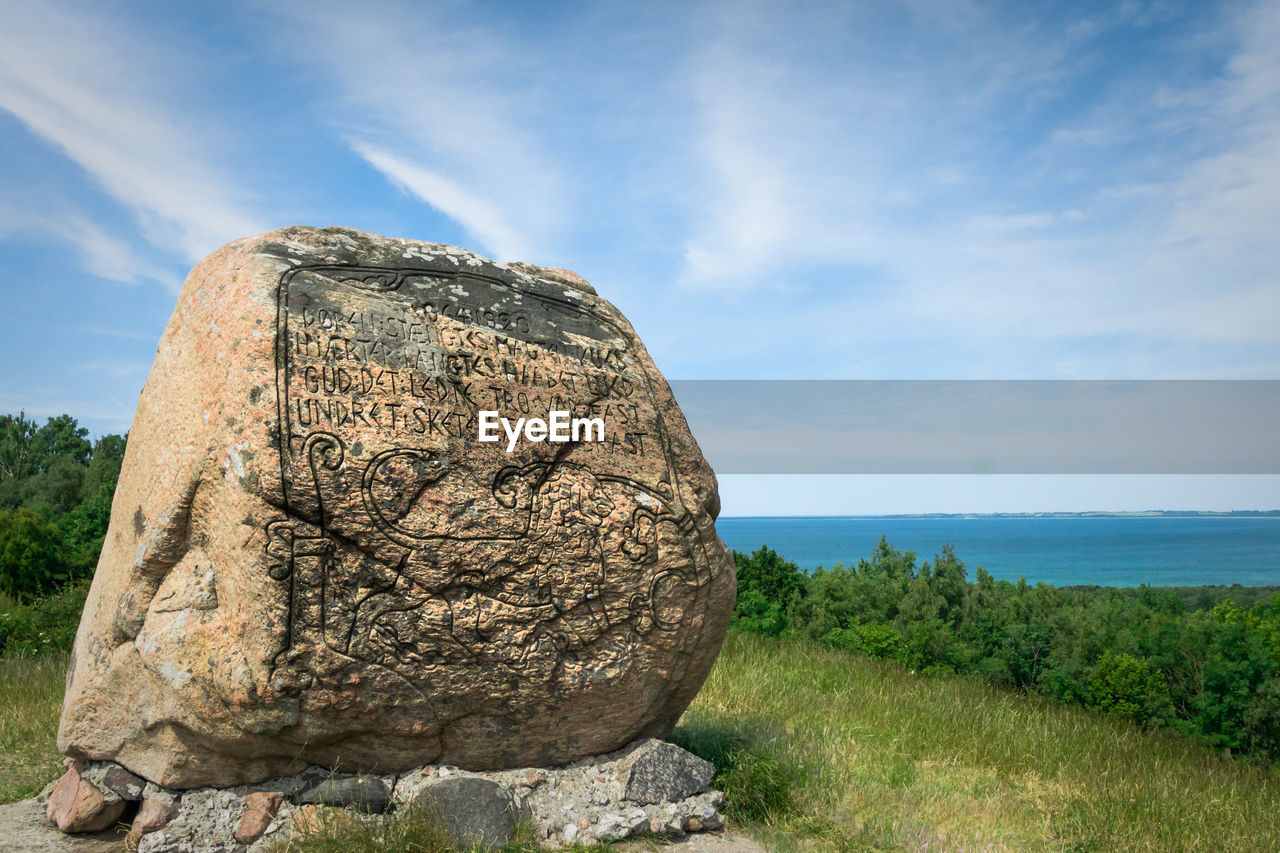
pixel 313 560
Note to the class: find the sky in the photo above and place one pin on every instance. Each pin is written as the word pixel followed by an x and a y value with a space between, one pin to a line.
pixel 768 190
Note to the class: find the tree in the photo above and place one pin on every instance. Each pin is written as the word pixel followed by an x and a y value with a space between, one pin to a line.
pixel 17 437
pixel 928 637
pixel 42 467
pixel 1236 667
pixel 767 586
pixel 33 559
pixel 62 437
pixel 85 528
pixel 947 579
pixel 56 489
pixel 1127 686
pixel 1262 720
pixel 104 465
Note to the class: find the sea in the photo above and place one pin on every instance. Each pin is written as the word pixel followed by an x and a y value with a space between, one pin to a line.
pixel 1102 551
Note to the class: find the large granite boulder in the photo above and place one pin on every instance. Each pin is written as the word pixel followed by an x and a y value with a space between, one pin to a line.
pixel 313 560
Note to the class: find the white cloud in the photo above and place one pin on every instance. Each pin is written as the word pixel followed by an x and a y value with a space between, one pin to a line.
pixel 446 109
pixel 484 220
pixel 90 87
pixel 784 179
pixel 116 368
pixel 102 254
pixel 1131 234
pixel 123 334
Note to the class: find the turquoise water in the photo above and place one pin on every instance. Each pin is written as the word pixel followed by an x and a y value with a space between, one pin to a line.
pixel 1060 551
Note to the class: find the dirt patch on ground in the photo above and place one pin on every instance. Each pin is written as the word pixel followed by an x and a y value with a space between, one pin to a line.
pixel 23 826
pixel 702 842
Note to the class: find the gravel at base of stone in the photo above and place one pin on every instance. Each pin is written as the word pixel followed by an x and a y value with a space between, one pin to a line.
pixel 584 802
pixel 206 823
pixel 114 781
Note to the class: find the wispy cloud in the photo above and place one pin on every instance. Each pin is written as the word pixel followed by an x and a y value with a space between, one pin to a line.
pixel 101 415
pixel 482 218
pixel 938 189
pixel 116 368
pixel 445 109
pixel 1099 234
pixel 123 334
pixel 90 87
pixel 101 253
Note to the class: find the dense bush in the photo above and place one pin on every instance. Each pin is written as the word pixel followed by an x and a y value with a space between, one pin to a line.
pixel 1211 668
pixel 767 586
pixel 33 558
pixel 55 502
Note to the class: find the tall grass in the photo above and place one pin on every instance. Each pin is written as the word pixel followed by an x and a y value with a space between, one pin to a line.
pixel 835 751
pixel 31 689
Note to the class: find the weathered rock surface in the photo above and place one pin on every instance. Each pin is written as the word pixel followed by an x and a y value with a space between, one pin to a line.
pixel 114 780
pixel 587 801
pixel 663 772
pixel 154 814
pixel 76 804
pixel 313 560
pixel 364 793
pixel 477 812
pixel 260 808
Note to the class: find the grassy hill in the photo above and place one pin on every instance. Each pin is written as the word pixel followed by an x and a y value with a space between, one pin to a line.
pixel 830 751
pixel 820 749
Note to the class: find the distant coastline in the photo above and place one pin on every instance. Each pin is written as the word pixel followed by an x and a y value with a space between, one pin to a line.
pixel 1065 549
pixel 1153 513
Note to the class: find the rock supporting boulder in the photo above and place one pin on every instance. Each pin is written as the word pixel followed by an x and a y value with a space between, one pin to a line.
pixel 79 804
pixel 662 772
pixel 477 812
pixel 587 801
pixel 312 559
pixel 260 809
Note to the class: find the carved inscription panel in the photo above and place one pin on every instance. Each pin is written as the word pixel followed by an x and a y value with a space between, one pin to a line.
pixel 410 546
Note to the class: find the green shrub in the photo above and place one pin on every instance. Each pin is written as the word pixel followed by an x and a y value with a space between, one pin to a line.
pixel 33 558
pixel 44 624
pixel 1128 687
pixel 1142 654
pixel 17 624
pixel 767 586
pixel 758 787
pixel 754 767
pixel 1262 721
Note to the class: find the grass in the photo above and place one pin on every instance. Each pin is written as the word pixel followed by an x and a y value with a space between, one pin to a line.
pixel 30 701
pixel 822 750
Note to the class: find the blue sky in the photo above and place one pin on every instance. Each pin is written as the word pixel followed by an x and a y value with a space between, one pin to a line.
pixel 822 190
